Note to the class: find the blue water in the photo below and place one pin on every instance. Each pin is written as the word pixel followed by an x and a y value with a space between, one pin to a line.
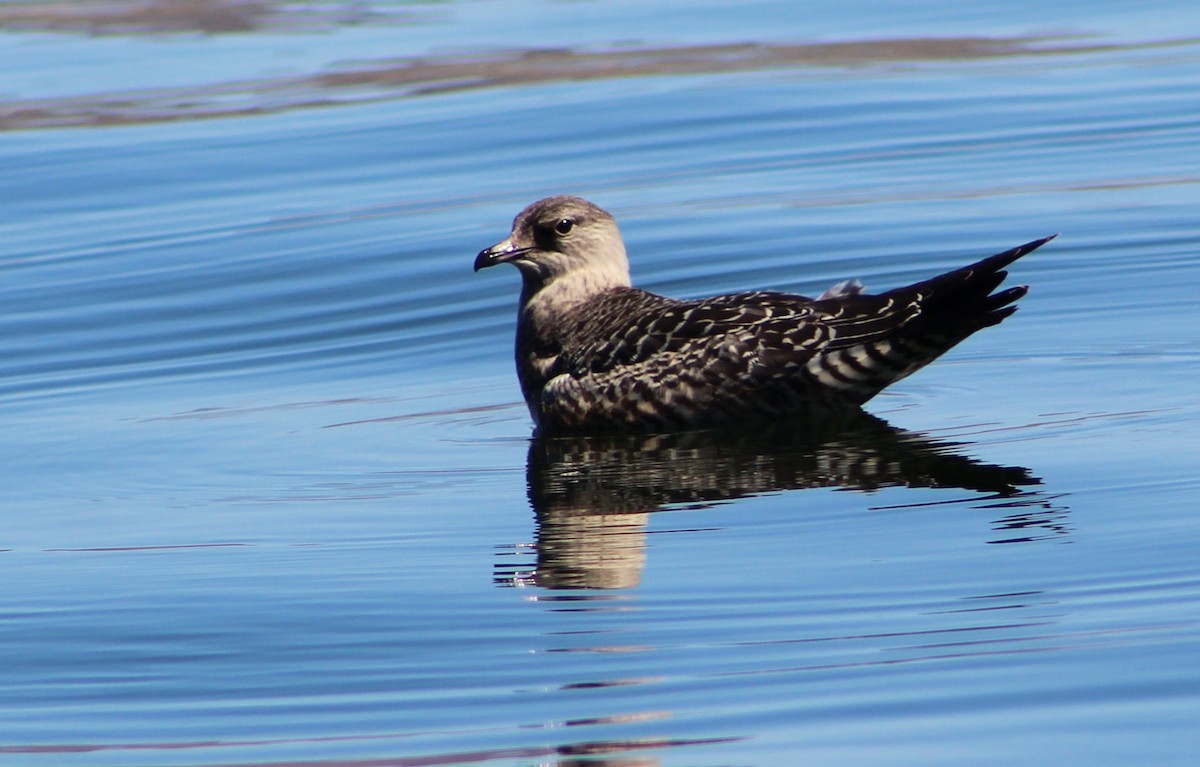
pixel 271 496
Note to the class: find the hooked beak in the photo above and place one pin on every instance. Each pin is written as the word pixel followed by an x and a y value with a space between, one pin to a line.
pixel 500 253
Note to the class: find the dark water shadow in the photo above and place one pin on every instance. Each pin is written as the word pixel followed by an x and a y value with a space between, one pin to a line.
pixel 158 17
pixel 381 80
pixel 592 494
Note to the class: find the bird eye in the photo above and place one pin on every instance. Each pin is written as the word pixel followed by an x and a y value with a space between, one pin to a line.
pixel 564 226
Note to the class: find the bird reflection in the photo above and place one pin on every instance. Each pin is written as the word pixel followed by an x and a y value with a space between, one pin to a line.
pixel 592 494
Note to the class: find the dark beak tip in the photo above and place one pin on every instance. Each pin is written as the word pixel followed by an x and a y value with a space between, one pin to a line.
pixel 484 259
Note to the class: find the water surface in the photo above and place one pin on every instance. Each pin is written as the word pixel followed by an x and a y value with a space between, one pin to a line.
pixel 272 498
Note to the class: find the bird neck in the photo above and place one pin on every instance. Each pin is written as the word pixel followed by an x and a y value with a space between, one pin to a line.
pixel 546 300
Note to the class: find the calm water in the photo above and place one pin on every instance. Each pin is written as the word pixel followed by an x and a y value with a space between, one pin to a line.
pixel 270 495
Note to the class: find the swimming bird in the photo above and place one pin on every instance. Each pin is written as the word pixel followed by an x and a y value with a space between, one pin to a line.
pixel 595 353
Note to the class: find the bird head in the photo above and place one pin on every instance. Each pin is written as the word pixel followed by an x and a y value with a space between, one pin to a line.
pixel 562 237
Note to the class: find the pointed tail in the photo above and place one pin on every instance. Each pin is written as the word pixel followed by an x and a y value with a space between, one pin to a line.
pixel 883 338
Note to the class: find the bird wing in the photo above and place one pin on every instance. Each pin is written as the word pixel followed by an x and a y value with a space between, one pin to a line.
pixel 634 357
pixel 629 327
pixel 640 359
pixel 877 340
